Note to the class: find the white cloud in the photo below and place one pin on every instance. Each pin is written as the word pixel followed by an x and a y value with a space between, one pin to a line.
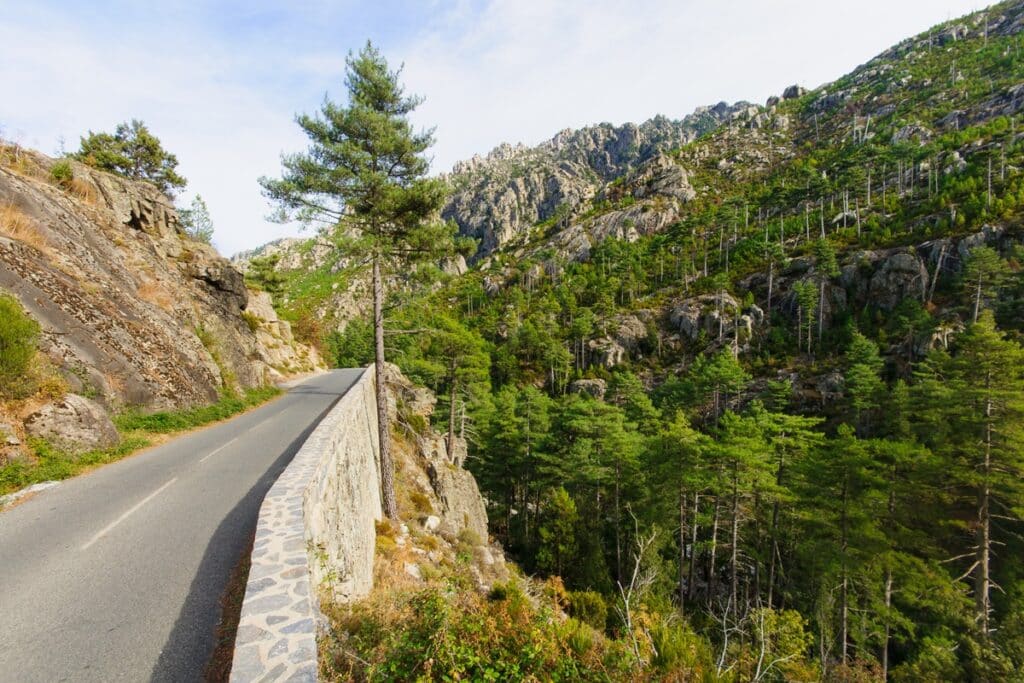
pixel 520 70
pixel 492 71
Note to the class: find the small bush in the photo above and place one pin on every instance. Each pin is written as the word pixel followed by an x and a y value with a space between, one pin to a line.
pixel 589 607
pixel 421 503
pixel 252 320
pixel 18 336
pixel 62 174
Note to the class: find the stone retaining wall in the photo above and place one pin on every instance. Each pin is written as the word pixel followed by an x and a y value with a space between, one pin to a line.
pixel 315 530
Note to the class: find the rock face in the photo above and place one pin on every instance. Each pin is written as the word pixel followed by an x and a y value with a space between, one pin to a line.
pixel 452 491
pixel 74 424
pixel 276 346
pixel 592 387
pixel 500 197
pixel 132 310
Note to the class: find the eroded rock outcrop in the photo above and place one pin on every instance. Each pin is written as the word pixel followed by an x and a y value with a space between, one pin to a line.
pixel 133 312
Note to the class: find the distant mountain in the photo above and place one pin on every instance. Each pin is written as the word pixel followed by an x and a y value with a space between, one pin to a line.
pixel 499 197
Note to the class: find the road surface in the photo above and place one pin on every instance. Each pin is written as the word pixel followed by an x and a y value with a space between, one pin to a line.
pixel 117 575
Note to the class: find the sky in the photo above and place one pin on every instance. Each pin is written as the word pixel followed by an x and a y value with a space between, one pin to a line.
pixel 220 82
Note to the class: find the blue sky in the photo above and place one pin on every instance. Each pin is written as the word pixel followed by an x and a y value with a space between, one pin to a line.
pixel 220 82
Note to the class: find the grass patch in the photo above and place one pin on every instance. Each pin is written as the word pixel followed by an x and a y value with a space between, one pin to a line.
pixel 53 464
pixel 137 432
pixel 17 225
pixel 167 422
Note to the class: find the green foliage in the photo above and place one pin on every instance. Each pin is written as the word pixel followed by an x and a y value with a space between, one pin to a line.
pixel 196 221
pixel 18 338
pixel 62 173
pixel 468 637
pixel 557 532
pixel 132 151
pixel 366 169
pixel 53 464
pixel 589 607
pixel 263 274
pixel 352 348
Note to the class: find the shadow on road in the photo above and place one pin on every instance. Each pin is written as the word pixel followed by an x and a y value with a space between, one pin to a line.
pixel 192 640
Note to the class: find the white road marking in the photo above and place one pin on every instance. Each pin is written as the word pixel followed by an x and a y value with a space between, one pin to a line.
pixel 126 515
pixel 217 450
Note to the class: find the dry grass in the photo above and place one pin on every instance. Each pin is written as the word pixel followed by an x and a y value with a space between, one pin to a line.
pixel 155 293
pixel 84 190
pixel 22 162
pixel 15 224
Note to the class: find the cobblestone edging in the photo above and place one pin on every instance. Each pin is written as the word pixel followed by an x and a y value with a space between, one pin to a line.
pixel 315 529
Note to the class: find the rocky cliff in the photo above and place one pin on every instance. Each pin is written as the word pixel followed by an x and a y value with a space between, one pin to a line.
pixel 499 198
pixel 133 312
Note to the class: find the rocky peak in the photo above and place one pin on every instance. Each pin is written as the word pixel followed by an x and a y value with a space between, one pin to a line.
pixel 500 197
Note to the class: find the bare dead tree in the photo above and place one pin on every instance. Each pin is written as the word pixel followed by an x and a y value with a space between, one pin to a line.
pixel 642 578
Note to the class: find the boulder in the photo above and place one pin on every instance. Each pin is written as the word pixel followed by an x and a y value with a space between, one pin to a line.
pixel 414 399
pixel 591 387
pixel 793 92
pixel 692 315
pixel 462 506
pixel 630 331
pixel 11 448
pixel 902 275
pixel 606 352
pixel 75 424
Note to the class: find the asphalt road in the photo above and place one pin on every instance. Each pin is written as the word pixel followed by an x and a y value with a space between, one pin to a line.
pixel 117 575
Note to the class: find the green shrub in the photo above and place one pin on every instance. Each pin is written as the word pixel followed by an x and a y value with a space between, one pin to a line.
pixel 589 607
pixel 62 173
pixel 252 320
pixel 678 648
pixel 18 336
pixel 421 503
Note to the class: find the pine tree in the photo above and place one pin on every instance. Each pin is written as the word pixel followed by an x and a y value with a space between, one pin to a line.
pixel 134 152
pixel 675 454
pixel 970 408
pixel 365 175
pixel 984 273
pixel 864 384
pixel 196 220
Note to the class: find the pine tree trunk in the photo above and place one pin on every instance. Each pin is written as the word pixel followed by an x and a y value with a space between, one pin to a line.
pixel 692 584
pixel 682 549
pixel 888 625
pixel 387 467
pixel 714 549
pixel 734 543
pixel 451 415
pixel 983 581
pixel 618 525
pixel 773 546
pixel 977 301
pixel 844 604
pixel 821 312
pixel 888 580
pixel 938 270
pixel 771 282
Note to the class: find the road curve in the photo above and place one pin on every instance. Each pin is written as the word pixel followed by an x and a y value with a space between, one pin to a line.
pixel 117 575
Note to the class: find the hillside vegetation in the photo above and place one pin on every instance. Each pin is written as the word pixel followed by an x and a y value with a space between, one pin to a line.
pixel 753 391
